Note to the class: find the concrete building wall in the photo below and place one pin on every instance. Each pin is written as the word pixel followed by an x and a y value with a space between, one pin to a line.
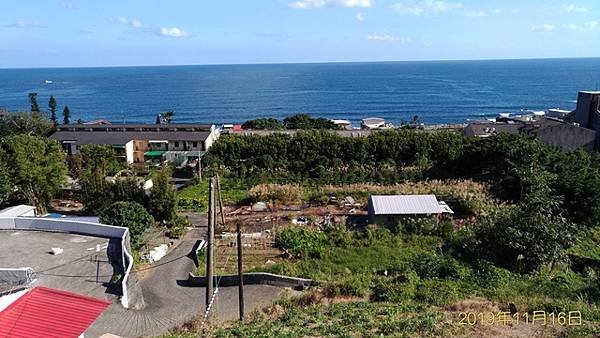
pixel 214 135
pixel 129 152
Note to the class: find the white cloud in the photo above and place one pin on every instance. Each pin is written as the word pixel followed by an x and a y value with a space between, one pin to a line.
pixel 387 37
pixel 360 17
pixel 133 23
pixel 586 26
pixel 23 24
pixel 591 24
pixel 304 4
pixel 475 14
pixel 543 28
pixel 424 7
pixel 136 23
pixel 173 32
pixel 576 9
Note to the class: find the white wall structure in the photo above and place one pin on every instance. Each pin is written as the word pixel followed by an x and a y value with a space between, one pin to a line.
pixel 129 152
pixel 20 218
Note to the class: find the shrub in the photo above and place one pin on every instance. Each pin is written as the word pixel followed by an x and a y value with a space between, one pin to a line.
pixel 400 289
pixel 354 286
pixel 486 274
pixel 177 226
pixel 430 265
pixel 437 292
pixel 130 215
pixel 339 236
pixel 301 242
pixel 190 204
pixel 163 196
pixel 276 193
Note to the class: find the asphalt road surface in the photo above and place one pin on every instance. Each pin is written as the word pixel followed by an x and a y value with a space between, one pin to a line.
pixel 169 302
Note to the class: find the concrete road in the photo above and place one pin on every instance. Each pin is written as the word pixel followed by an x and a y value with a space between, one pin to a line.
pixel 169 302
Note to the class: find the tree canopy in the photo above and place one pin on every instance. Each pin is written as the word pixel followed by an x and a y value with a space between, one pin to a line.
pixel 24 123
pixel 36 166
pixel 263 124
pixel 130 215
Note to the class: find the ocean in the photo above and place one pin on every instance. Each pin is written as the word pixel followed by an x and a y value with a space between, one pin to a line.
pixel 436 91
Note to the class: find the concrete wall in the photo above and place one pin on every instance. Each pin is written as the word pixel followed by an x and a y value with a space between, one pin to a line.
pixel 253 278
pixel 214 135
pixel 7 216
pixel 11 219
pixel 129 152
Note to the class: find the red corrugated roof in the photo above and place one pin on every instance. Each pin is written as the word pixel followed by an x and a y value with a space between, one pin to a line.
pixel 44 312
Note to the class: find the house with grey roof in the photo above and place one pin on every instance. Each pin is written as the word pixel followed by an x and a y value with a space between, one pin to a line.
pixel 554 132
pixel 391 209
pixel 140 143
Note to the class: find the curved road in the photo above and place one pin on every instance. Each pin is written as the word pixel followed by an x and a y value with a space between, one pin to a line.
pixel 170 303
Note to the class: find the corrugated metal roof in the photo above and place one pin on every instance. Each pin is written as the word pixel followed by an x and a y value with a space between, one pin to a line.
pixel 404 204
pixel 45 312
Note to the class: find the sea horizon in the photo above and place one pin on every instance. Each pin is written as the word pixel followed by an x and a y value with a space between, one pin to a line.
pixel 438 91
pixel 302 63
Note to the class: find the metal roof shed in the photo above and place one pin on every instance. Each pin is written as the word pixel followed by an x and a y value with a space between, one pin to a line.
pixel 403 205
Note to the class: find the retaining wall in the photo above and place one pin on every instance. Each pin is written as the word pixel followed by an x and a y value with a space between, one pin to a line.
pixel 253 278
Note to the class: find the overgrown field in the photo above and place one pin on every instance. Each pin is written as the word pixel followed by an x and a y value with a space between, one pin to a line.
pixel 529 241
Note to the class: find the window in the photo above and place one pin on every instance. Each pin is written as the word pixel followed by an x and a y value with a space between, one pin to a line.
pixel 176 144
pixel 194 144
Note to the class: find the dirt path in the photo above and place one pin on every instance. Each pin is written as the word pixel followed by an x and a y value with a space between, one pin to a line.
pixel 169 302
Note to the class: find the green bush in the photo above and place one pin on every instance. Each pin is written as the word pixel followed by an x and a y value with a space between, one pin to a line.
pixel 339 236
pixel 130 215
pixel 302 242
pixel 176 226
pixel 191 204
pixel 437 292
pixel 429 265
pixel 486 274
pixel 354 286
pixel 397 290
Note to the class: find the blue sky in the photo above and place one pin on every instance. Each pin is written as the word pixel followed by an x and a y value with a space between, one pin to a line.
pixel 51 33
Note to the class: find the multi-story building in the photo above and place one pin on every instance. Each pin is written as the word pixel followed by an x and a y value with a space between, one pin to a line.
pixel 141 143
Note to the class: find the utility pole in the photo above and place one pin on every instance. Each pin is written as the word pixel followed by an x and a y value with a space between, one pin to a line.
pixel 240 273
pixel 210 240
pixel 200 165
pixel 220 201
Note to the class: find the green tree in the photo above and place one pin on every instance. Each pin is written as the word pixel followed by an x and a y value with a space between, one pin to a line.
pixel 305 121
pixel 33 102
pixel 531 234
pixel 163 197
pixel 52 105
pixel 129 215
pixel 263 124
pixel 66 115
pixel 6 185
pixel 99 159
pixel 24 123
pixel 166 117
pixel 36 166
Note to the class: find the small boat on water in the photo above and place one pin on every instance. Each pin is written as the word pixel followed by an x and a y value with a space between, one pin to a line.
pixel 48 81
